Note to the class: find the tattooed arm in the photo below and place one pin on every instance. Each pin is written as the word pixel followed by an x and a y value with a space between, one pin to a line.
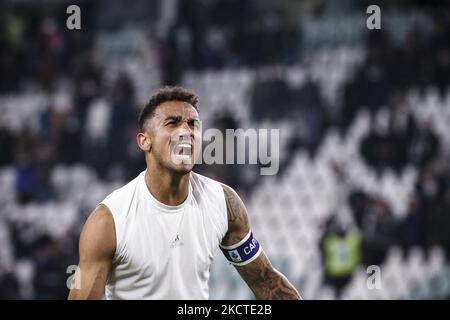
pixel 266 282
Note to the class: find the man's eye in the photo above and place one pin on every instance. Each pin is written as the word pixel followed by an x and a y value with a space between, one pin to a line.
pixel 194 124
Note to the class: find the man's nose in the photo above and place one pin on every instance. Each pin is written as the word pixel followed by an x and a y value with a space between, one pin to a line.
pixel 184 133
pixel 185 126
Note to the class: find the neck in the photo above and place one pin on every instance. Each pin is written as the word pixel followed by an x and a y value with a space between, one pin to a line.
pixel 168 188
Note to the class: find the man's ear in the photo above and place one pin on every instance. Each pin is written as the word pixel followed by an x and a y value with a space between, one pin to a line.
pixel 144 141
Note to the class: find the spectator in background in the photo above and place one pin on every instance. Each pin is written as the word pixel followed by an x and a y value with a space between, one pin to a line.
pixel 445 220
pixel 12 50
pixel 9 286
pixel 95 135
pixel 424 145
pixel 433 190
pixel 428 189
pixel 412 228
pixel 271 97
pixel 307 105
pixel 379 232
pixel 352 100
pixel 341 254
pixel 359 202
pixel 6 145
pixel 26 186
pixel 123 115
pixel 51 264
pixel 378 148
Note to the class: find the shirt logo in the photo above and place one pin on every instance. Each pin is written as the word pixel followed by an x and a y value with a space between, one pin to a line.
pixel 177 242
pixel 235 256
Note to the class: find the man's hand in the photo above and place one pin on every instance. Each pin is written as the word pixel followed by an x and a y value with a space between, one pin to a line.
pixel 265 282
pixel 96 249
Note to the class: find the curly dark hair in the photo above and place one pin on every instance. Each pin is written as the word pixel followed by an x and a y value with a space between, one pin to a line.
pixel 167 93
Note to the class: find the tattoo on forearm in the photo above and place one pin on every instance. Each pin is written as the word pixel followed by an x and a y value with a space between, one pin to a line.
pixel 267 283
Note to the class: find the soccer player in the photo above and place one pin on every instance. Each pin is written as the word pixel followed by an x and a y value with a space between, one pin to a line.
pixel 155 237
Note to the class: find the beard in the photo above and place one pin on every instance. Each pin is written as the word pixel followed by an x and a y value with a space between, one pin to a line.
pixel 172 164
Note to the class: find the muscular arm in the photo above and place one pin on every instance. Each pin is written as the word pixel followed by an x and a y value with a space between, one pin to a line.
pixel 265 281
pixel 96 250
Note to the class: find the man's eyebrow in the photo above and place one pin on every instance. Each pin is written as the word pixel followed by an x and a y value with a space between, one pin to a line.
pixel 178 118
pixel 175 118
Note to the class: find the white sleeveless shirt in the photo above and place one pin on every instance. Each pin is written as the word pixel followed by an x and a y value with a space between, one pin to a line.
pixel 165 252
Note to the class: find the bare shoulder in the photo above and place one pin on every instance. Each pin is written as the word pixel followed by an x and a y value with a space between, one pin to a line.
pixel 97 246
pixel 98 237
pixel 238 224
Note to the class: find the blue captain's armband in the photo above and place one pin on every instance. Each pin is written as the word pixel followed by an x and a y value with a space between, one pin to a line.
pixel 243 252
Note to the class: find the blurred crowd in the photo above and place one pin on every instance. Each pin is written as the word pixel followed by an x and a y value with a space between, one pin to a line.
pixel 95 123
pixel 395 141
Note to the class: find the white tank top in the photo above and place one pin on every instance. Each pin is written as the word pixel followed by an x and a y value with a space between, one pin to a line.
pixel 165 252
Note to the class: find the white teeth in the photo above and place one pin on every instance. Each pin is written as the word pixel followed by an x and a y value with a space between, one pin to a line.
pixel 183 150
pixel 184 157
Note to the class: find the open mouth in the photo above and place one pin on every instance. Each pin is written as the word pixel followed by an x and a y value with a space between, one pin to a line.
pixel 183 149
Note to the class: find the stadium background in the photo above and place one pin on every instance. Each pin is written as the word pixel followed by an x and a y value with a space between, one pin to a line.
pixel 363 115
